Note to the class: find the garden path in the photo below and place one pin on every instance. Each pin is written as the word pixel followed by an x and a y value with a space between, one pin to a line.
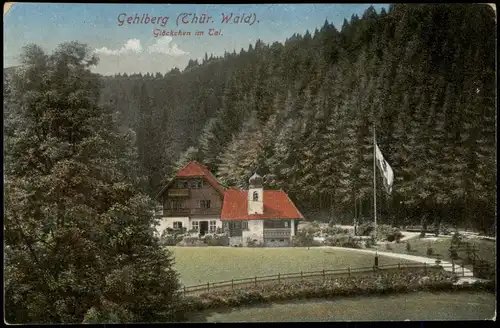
pixel 468 276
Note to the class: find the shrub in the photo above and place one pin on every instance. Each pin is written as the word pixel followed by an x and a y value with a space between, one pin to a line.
pixel 384 231
pixel 215 239
pixel 422 234
pixel 343 240
pixel 430 251
pixel 398 235
pixel 303 239
pixel 254 243
pixel 383 282
pixel 368 243
pixel 388 247
pixel 335 231
pixel 484 270
pixel 365 229
pixel 191 241
pixel 456 239
pixel 453 253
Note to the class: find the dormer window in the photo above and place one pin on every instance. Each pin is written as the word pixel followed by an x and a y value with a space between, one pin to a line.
pixel 255 196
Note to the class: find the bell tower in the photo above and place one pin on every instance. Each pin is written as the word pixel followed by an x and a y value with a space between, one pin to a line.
pixel 255 195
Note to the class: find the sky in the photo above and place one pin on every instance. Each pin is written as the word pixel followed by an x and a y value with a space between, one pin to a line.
pixel 127 45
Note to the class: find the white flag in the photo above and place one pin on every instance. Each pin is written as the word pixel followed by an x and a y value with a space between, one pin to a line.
pixel 386 170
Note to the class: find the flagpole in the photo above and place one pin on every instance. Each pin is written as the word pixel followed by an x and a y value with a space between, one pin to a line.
pixel 374 182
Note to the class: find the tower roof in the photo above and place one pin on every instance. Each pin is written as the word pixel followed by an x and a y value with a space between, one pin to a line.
pixel 255 181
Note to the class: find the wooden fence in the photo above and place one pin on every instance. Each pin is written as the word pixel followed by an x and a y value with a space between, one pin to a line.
pixel 231 284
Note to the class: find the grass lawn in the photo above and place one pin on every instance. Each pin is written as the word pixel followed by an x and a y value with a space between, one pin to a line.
pixel 198 265
pixel 414 306
pixel 486 249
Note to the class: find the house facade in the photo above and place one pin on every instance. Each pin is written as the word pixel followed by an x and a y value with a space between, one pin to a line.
pixel 259 216
pixel 194 200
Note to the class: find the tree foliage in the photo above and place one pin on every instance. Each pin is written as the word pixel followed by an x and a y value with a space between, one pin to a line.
pixel 79 243
pixel 423 75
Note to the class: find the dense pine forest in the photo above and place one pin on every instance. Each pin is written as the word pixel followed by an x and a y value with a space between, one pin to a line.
pixel 301 114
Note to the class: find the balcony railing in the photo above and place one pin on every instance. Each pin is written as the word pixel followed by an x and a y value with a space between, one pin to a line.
pixel 191 211
pixel 184 192
pixel 277 233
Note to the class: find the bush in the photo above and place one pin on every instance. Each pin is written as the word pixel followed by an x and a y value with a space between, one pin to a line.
pixel 384 231
pixel 430 251
pixel 422 234
pixel 254 243
pixel 335 231
pixel 215 239
pixel 303 239
pixel 383 282
pixel 456 239
pixel 453 253
pixel 365 229
pixel 368 243
pixel 343 240
pixel 388 247
pixel 191 241
pixel 484 270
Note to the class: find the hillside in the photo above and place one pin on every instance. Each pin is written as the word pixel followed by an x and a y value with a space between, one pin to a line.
pixel 302 112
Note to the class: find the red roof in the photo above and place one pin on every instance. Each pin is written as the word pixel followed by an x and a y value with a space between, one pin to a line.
pixel 195 169
pixel 277 205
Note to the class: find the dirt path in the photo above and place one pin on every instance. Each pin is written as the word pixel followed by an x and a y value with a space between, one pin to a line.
pixel 447 266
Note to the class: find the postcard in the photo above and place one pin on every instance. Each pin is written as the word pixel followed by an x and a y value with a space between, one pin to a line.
pixel 249 163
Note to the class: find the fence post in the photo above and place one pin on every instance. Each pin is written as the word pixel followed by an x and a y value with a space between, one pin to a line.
pixel 399 265
pixel 324 275
pixel 463 270
pixel 208 286
pixel 255 280
pixel 279 278
pixel 301 277
pixel 232 284
pixel 453 266
pixel 184 290
pixel 349 269
pixel 425 267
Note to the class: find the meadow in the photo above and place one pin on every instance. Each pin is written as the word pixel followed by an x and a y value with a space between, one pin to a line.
pixel 486 249
pixel 198 265
pixel 414 307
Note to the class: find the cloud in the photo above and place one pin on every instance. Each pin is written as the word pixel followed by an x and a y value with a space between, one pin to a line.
pixel 132 45
pixel 164 45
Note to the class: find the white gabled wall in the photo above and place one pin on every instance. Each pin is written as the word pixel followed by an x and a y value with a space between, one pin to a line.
pixel 255 231
pixel 168 222
pixel 218 222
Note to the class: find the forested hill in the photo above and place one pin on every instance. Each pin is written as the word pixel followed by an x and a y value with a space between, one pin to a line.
pixel 301 113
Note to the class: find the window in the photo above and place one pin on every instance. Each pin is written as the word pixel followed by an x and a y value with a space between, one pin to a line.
pixel 193 184
pixel 204 204
pixel 195 225
pixel 213 226
pixel 255 196
pixel 186 185
pixel 276 224
pixel 176 204
pixel 200 184
pixel 282 240
pixel 180 184
pixel 244 225
pixel 177 225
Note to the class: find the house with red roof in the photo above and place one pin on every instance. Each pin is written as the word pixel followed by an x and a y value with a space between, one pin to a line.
pixel 194 200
